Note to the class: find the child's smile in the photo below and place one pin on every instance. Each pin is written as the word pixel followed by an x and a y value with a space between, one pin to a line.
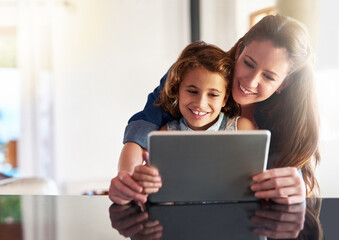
pixel 199 114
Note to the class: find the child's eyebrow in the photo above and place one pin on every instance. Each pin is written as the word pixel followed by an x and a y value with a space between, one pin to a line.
pixel 210 89
pixel 191 86
pixel 215 90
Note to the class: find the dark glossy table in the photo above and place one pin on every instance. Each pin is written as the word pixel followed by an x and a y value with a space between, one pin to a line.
pixel 95 217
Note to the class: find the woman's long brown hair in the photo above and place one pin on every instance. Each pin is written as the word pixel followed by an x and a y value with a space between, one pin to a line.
pixel 292 115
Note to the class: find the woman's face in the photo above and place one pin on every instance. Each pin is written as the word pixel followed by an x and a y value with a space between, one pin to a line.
pixel 259 72
pixel 202 94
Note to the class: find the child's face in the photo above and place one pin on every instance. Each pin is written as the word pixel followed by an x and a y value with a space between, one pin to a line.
pixel 202 94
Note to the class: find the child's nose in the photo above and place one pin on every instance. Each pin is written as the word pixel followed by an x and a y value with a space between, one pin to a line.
pixel 202 101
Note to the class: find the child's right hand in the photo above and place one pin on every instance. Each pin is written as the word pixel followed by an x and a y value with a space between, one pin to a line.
pixel 148 178
pixel 124 189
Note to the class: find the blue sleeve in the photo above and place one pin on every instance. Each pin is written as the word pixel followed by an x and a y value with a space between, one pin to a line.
pixel 151 118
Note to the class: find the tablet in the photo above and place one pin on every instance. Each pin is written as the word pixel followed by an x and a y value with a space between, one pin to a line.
pixel 206 166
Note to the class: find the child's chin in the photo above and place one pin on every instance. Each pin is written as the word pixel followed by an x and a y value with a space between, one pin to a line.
pixel 198 127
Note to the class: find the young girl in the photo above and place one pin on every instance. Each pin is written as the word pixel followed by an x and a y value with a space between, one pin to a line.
pixel 196 93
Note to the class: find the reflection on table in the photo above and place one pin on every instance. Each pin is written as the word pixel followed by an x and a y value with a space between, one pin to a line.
pixel 250 220
pixel 95 217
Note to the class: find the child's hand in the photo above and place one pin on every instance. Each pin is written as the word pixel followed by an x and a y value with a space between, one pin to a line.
pixel 124 189
pixel 148 178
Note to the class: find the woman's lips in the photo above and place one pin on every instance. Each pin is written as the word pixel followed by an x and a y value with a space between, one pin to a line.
pixel 245 91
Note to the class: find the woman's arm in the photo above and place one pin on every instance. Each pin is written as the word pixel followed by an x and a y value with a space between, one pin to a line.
pixel 151 118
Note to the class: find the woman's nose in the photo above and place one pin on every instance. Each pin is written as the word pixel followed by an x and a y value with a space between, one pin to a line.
pixel 254 80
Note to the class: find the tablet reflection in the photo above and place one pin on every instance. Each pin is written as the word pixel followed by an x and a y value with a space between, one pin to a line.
pixel 252 220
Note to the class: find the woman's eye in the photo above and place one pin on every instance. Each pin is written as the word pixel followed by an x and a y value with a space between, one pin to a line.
pixel 213 95
pixel 248 64
pixel 269 77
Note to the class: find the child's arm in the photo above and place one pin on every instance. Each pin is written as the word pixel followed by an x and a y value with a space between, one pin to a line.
pixel 245 124
pixel 148 177
pixel 123 188
pixel 130 156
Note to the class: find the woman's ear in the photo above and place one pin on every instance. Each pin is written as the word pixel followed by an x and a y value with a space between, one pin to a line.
pixel 282 86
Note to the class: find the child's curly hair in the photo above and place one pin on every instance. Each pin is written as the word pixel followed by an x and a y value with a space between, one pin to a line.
pixel 195 55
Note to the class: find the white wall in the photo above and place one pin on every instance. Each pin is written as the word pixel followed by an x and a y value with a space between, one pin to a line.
pixel 217 18
pixel 107 56
pixel 223 22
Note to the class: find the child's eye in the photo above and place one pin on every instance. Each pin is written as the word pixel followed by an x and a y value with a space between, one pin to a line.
pixel 192 91
pixel 248 64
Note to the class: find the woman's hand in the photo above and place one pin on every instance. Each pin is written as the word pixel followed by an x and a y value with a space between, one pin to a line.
pixel 148 178
pixel 124 189
pixel 281 185
pixel 279 221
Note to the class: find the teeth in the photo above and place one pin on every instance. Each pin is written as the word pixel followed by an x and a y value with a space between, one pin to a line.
pixel 198 113
pixel 244 90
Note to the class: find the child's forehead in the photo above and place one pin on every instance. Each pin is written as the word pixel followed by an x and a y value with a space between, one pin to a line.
pixel 201 77
pixel 201 70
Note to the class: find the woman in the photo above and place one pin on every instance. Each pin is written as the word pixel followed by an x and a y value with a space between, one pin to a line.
pixel 273 82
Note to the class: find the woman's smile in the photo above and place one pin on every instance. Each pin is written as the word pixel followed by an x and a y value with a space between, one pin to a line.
pixel 244 90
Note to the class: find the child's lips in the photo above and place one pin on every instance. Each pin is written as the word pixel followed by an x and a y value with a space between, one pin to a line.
pixel 199 113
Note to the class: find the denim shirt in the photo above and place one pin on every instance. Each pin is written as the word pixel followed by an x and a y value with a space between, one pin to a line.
pixel 151 118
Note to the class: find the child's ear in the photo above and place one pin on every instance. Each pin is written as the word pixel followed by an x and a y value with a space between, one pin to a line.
pixel 226 98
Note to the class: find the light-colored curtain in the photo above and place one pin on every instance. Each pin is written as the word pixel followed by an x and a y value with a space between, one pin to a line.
pixel 35 64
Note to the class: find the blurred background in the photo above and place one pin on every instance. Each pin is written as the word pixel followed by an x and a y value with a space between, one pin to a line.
pixel 72 72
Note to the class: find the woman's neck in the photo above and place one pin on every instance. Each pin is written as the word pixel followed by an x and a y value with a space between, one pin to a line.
pixel 247 111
